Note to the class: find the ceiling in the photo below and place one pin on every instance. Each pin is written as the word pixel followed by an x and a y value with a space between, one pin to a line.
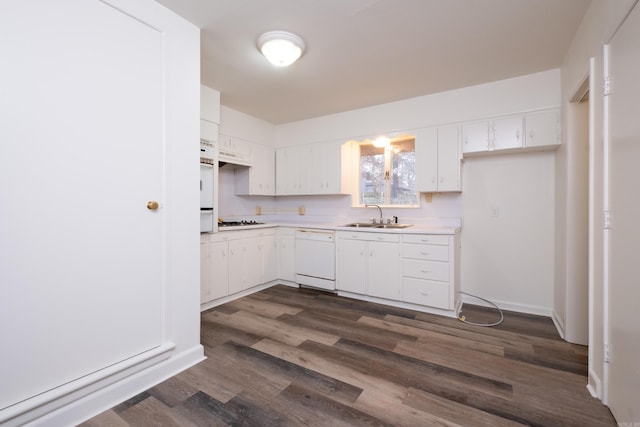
pixel 366 52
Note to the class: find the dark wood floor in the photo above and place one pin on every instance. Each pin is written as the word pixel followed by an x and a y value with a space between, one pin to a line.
pixel 289 357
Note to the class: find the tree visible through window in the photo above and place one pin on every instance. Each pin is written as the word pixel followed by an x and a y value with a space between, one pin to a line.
pixel 387 174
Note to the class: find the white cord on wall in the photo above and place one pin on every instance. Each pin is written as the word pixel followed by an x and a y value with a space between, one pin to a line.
pixel 463 320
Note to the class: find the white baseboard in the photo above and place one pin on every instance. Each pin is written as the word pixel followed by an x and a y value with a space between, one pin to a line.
pixel 86 402
pixel 510 306
pixel 594 385
pixel 559 324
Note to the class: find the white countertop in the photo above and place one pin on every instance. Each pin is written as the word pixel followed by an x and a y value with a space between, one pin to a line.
pixel 413 229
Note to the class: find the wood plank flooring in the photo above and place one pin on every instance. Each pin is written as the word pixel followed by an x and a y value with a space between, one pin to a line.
pixel 292 357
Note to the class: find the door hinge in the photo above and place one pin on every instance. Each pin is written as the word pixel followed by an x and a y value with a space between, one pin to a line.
pixel 607 86
pixel 607 220
pixel 607 354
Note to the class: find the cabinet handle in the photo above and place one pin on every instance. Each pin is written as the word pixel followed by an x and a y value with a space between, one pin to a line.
pixel 424 271
pixel 518 134
pixel 424 253
pixel 425 294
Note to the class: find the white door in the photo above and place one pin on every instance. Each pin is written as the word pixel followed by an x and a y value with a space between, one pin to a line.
pixel 81 154
pixel 624 234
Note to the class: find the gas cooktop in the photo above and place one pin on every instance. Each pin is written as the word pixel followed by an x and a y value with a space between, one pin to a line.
pixel 238 223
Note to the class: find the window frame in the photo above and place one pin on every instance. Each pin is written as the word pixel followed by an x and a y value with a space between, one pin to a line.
pixel 388 161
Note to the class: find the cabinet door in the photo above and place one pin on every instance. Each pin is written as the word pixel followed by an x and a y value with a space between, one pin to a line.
pixel 205 272
pixel 283 172
pixel 449 159
pixel 302 160
pixel 475 137
pixel 506 133
pixel 219 258
pixel 385 274
pixel 269 258
pixel 351 270
pixel 541 129
pixel 252 262
pixel 259 179
pixel 287 255
pixel 427 160
pixel 237 280
pixel 318 169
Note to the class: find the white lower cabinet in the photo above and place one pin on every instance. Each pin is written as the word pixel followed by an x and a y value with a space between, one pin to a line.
pixel 369 264
pixel 287 253
pixel 420 269
pixel 430 270
pixel 233 261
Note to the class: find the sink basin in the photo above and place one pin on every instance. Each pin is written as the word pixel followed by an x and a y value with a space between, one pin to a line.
pixel 393 225
pixel 371 225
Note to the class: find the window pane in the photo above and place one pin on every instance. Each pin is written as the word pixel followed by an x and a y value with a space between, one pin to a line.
pixel 403 179
pixel 372 181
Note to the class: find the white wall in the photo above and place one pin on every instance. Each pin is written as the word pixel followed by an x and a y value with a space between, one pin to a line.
pixel 532 91
pixel 244 126
pixel 509 258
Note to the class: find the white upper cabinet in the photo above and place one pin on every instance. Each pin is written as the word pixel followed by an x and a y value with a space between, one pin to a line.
pixel 438 159
pixel 234 150
pixel 209 104
pixel 320 168
pixel 505 133
pixel 475 137
pixel 542 129
pixel 259 179
pixel 538 130
pixel 329 168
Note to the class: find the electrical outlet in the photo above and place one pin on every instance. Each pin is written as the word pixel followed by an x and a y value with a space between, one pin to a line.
pixel 301 210
pixel 258 210
pixel 495 212
pixel 428 197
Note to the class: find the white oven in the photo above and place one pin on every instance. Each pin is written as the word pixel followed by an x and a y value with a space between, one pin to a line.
pixel 207 171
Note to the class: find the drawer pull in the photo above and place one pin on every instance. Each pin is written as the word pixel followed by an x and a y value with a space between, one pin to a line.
pixel 425 294
pixel 424 253
pixel 424 271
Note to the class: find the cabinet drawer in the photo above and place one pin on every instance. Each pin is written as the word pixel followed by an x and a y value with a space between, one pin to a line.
pixel 425 292
pixel 430 252
pixel 430 239
pixel 421 269
pixel 374 237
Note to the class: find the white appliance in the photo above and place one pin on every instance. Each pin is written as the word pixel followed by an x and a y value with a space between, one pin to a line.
pixel 207 164
pixel 316 258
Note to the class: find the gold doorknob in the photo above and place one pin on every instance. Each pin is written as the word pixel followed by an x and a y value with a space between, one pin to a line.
pixel 152 205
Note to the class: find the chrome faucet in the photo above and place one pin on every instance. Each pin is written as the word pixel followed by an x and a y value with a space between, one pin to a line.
pixel 379 208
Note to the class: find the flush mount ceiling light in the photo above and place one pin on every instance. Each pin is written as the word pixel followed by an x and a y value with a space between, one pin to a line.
pixel 281 47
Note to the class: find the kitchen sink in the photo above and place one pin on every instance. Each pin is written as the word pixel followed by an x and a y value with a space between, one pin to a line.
pixel 372 225
pixel 393 225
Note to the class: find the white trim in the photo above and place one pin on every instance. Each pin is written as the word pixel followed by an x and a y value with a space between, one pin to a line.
pixel 592 225
pixel 511 306
pixel 402 304
pixel 605 284
pixel 559 323
pixel 80 399
pixel 594 386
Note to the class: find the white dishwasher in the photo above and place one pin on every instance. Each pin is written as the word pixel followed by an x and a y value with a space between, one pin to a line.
pixel 316 258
